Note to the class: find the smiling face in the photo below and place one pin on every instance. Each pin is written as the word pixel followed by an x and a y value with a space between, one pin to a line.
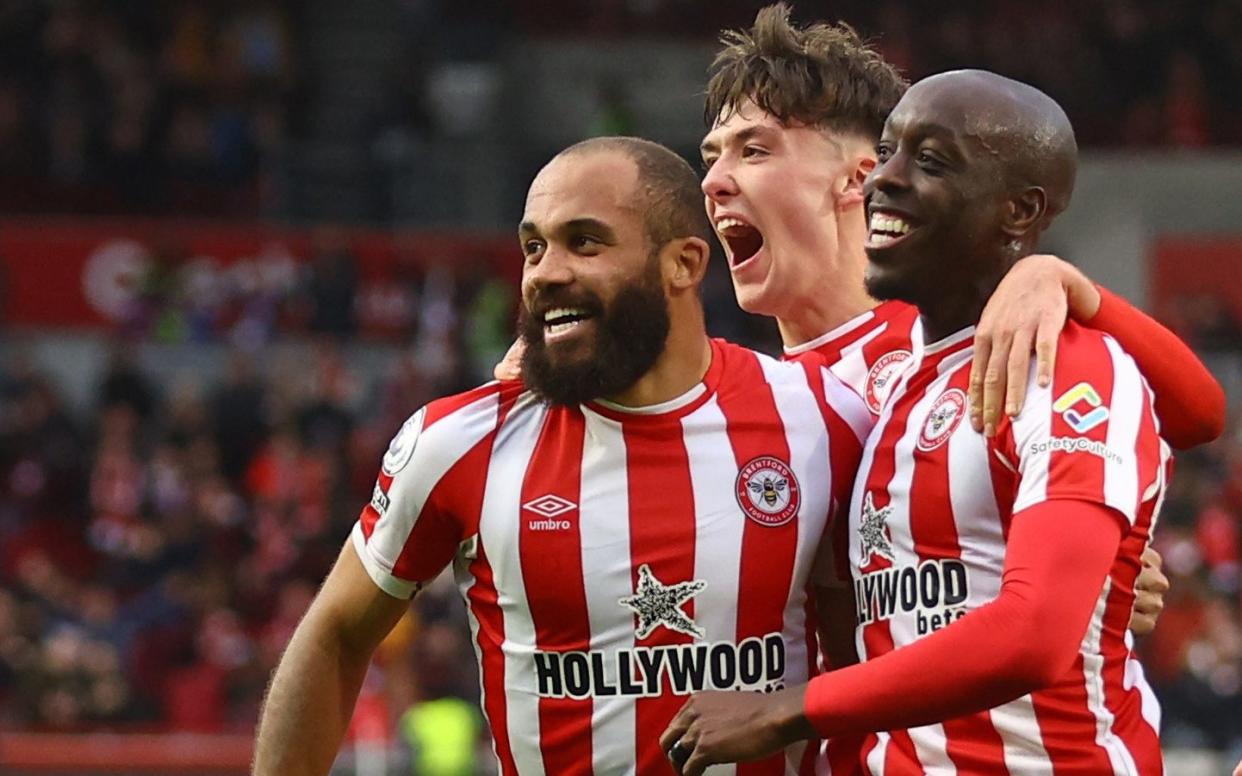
pixel 595 314
pixel 770 192
pixel 935 201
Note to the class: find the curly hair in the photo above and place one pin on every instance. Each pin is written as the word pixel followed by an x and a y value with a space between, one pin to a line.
pixel 822 75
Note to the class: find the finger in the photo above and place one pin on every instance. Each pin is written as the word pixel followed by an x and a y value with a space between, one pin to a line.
pixel 698 762
pixel 1046 349
pixel 1019 367
pixel 994 383
pixel 1149 605
pixel 1142 625
pixel 677 728
pixel 1152 559
pixel 510 367
pixel 978 365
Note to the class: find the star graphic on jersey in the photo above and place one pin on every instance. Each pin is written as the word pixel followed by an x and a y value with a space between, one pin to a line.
pixel 659 604
pixel 873 530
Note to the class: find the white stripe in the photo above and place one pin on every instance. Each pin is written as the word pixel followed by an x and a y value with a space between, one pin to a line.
pixel 930 743
pixel 1033 424
pixel 803 423
pixel 1121 486
pixel 852 409
pixel 845 328
pixel 436 450
pixel 604 528
pixel 718 527
pixel 852 368
pixel 499 531
pixel 980 535
pixel 1018 728
pixel 1093 678
pixel 877 755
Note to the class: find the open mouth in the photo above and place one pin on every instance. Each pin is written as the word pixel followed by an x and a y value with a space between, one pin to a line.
pixel 886 228
pixel 742 241
pixel 561 321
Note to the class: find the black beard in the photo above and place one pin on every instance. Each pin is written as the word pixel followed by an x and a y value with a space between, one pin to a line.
pixel 630 336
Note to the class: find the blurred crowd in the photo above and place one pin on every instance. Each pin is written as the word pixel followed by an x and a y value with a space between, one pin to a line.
pixel 1129 72
pixel 158 550
pixel 143 105
pixel 190 106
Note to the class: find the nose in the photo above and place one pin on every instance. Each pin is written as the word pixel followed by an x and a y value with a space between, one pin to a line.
pixel 719 184
pixel 551 268
pixel 887 176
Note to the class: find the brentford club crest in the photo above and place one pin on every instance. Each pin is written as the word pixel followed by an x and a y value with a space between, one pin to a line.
pixel 883 376
pixel 767 491
pixel 943 419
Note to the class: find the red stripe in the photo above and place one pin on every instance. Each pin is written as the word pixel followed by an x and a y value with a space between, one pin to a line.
pixel 483 601
pixel 768 552
pixel 662 535
pixel 554 590
pixel 369 516
pixel 901 759
pixel 1067 725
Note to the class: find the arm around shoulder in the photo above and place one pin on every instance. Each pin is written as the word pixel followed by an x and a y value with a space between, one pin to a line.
pixel 311 697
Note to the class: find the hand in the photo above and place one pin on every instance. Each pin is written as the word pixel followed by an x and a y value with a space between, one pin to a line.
pixel 1238 770
pixel 1149 590
pixel 1026 312
pixel 510 367
pixel 731 726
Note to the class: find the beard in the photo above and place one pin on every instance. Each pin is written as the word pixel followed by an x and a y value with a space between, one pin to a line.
pixel 630 333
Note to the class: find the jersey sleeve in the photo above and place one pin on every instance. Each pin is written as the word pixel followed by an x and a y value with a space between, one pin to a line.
pixel 418 516
pixel 1090 435
pixel 1189 402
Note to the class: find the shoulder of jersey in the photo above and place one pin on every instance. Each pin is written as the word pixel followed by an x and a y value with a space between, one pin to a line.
pixel 445 419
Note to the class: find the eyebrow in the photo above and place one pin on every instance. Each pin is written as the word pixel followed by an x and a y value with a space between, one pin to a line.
pixel 741 136
pixel 585 224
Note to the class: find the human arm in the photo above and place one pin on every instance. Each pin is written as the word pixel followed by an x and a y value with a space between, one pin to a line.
pixel 1058 555
pixel 1028 310
pixel 311 698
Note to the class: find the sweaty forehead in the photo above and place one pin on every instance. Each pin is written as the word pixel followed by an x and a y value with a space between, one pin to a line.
pixel 600 184
pixel 978 112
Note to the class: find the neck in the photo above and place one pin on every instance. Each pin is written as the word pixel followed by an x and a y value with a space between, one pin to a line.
pixel 685 360
pixel 953 312
pixel 839 293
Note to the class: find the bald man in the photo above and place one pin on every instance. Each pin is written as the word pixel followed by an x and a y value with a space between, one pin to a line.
pixel 992 575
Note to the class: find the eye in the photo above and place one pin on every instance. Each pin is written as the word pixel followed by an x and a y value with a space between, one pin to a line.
pixel 883 151
pixel 929 163
pixel 584 243
pixel 531 247
pixel 707 163
pixel 752 151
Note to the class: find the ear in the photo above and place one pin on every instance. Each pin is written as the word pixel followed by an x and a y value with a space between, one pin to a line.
pixel 852 192
pixel 685 262
pixel 1025 212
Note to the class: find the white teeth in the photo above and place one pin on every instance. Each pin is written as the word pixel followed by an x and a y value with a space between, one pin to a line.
pixel 889 224
pixel 728 223
pixel 557 328
pixel 562 312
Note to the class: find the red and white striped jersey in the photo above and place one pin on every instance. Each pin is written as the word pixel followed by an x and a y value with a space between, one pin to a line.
pixel 869 352
pixel 928 525
pixel 615 561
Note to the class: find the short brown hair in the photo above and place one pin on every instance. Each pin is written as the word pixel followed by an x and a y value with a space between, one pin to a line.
pixel 673 201
pixel 822 75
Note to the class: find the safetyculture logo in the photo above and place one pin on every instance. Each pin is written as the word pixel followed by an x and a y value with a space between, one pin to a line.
pixel 1081 408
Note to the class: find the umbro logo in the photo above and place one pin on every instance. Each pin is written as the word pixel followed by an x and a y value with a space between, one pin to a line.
pixel 549 507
